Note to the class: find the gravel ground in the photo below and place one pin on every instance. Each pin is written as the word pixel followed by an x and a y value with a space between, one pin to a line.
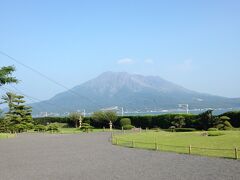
pixel 92 157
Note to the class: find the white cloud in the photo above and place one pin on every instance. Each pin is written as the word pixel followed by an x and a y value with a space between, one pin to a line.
pixel 126 61
pixel 148 61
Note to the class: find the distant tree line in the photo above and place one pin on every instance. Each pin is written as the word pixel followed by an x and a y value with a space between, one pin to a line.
pixel 202 121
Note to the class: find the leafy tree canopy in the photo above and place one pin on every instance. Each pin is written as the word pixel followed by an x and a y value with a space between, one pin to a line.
pixel 6 75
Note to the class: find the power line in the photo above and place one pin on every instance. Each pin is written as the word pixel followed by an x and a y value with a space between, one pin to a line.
pixel 47 77
pixel 34 70
pixel 33 98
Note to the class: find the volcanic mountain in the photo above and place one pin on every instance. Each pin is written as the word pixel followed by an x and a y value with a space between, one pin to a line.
pixel 132 92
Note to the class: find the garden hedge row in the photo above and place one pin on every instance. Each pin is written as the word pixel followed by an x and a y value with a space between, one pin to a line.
pixel 234 117
pixel 148 121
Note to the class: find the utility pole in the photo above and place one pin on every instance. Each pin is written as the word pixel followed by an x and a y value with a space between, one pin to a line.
pixel 186 106
pixel 84 113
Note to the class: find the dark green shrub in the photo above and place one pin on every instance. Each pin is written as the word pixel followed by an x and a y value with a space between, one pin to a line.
pixel 53 127
pixel 213 129
pixel 29 126
pixel 86 127
pixel 184 129
pixel 234 117
pixel 178 121
pixel 227 124
pixel 128 127
pixel 227 128
pixel 220 126
pixel 19 128
pixel 40 128
pixel 125 121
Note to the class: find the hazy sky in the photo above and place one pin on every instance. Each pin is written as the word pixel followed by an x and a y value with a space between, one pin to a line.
pixel 192 43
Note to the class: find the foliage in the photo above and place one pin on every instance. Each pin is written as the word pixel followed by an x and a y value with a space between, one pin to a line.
pixel 18 118
pixel 163 121
pixel 103 118
pixel 86 127
pixel 19 128
pixel 53 127
pixel 206 119
pixel 184 129
pixel 75 117
pixel 178 121
pixel 224 123
pixel 47 120
pixel 40 128
pixel 128 127
pixel 224 118
pixel 234 117
pixel 125 121
pixel 6 75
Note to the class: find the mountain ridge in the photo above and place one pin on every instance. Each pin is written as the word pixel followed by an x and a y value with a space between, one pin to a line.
pixel 133 92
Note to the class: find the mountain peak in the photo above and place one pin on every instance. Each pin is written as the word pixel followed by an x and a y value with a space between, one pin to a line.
pixel 133 92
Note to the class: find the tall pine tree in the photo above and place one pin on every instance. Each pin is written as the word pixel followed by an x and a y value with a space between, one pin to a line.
pixel 19 117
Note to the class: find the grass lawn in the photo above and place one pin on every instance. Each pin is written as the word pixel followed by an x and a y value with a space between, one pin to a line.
pixel 5 135
pixel 180 141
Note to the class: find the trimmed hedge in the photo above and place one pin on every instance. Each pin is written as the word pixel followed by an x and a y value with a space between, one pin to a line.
pixel 128 127
pixel 125 121
pixel 163 121
pixel 184 129
pixel 234 117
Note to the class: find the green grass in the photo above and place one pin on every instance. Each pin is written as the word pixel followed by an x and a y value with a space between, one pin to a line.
pixel 5 135
pixel 180 141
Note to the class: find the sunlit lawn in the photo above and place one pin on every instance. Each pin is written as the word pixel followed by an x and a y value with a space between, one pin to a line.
pixel 169 141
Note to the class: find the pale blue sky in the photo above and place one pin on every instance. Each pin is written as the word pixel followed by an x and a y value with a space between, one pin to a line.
pixel 192 43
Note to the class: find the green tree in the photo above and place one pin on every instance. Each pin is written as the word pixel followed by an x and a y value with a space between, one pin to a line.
pixel 105 117
pixel 207 120
pixel 178 121
pixel 75 117
pixel 9 99
pixel 6 75
pixel 125 121
pixel 19 117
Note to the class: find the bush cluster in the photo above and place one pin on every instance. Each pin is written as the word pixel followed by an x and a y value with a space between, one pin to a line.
pixel 86 127
pixel 128 127
pixel 184 129
pixel 125 121
pixel 163 121
pixel 234 117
